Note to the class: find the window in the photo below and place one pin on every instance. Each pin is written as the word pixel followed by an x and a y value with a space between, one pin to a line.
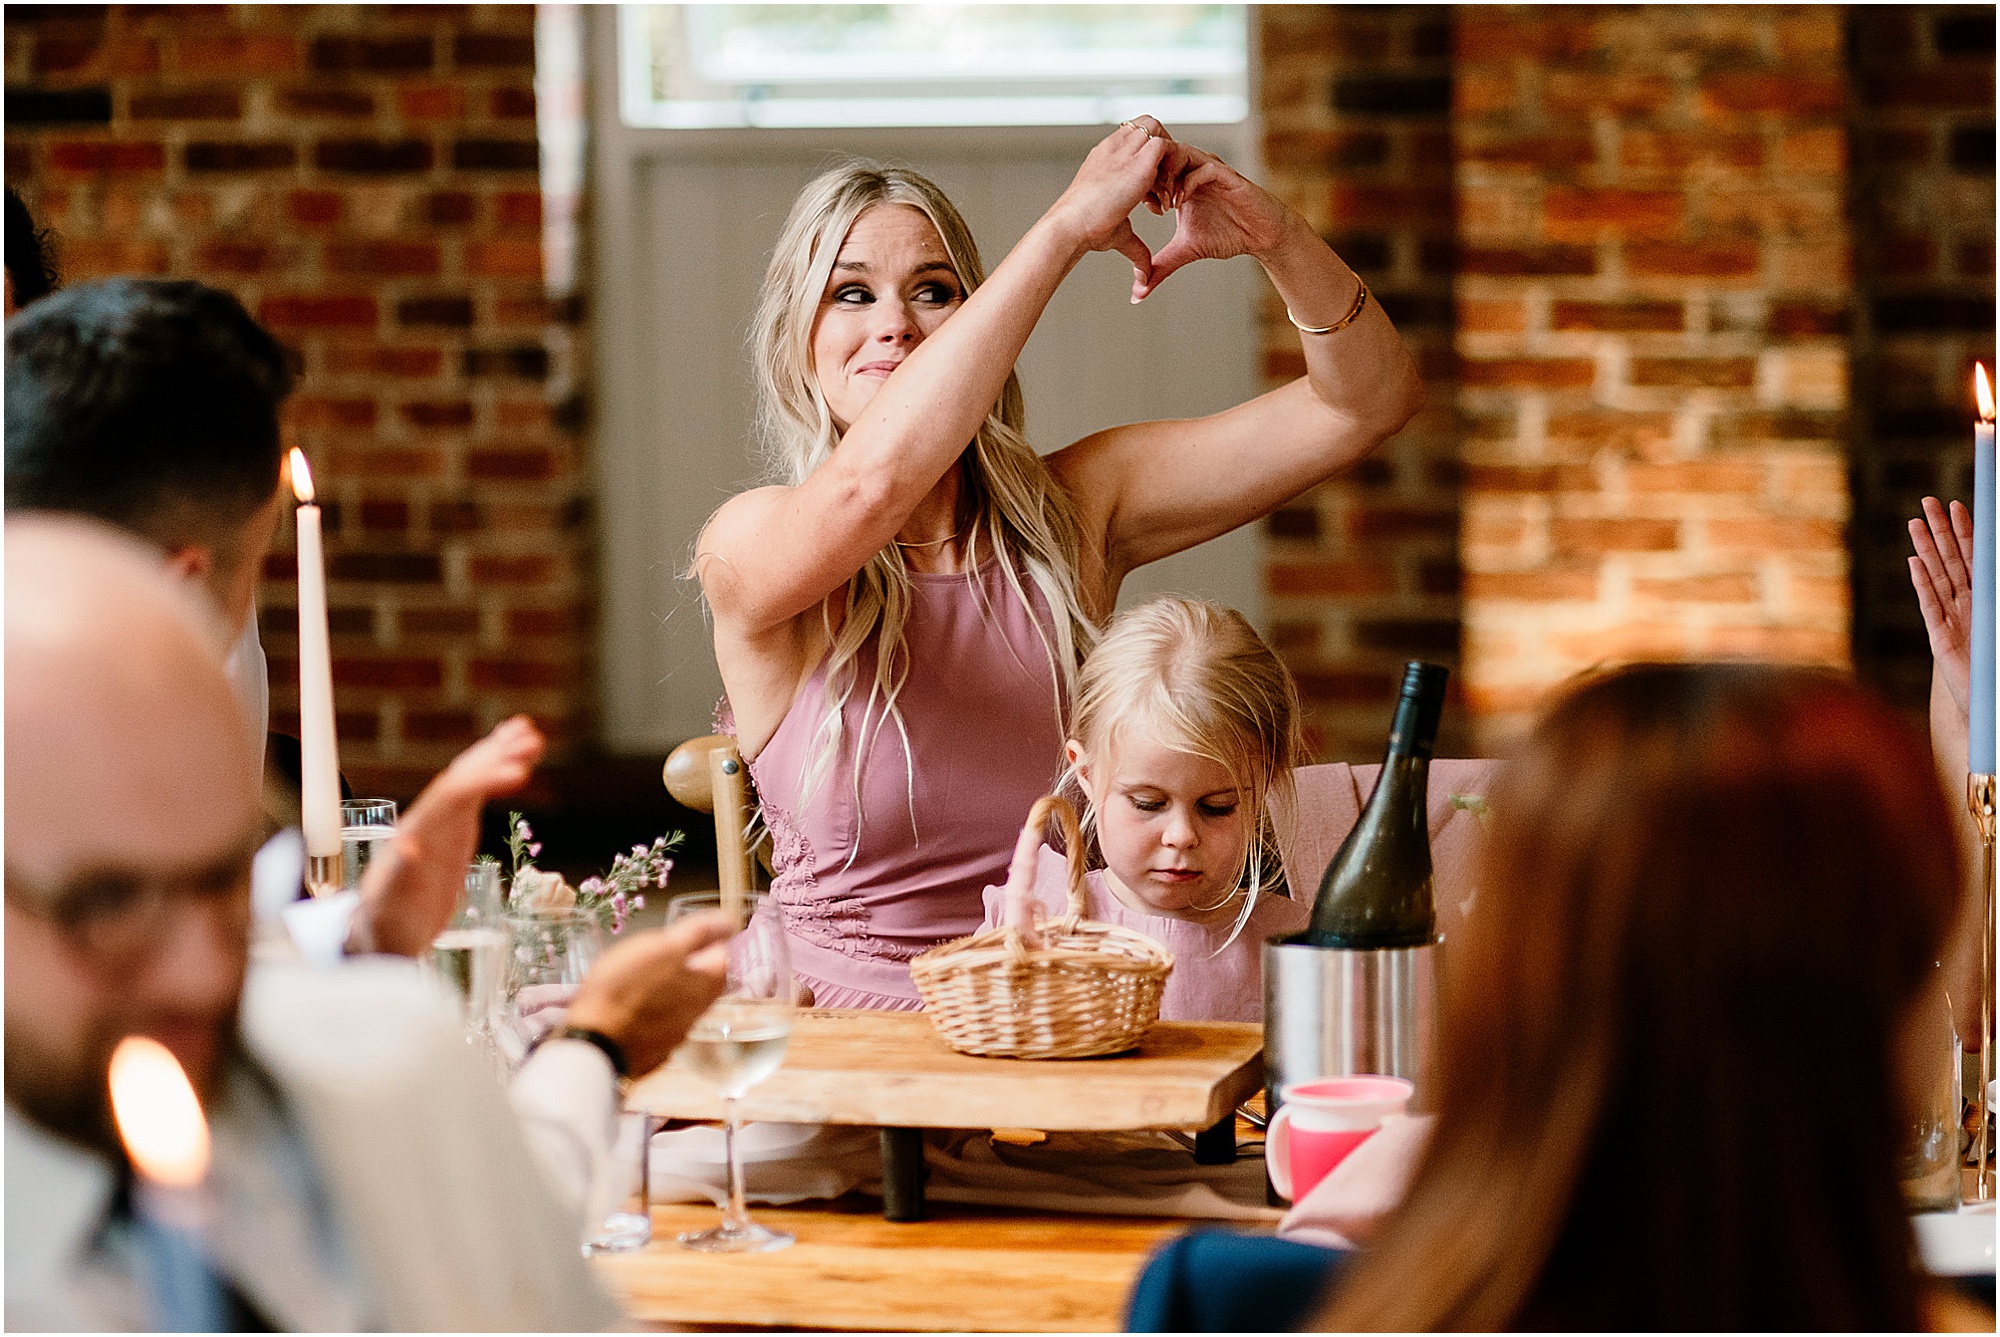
pixel 723 66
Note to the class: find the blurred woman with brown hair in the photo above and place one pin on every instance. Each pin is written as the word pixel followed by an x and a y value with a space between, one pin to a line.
pixel 1671 1085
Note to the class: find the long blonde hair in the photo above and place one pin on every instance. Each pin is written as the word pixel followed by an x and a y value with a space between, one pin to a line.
pixel 1016 506
pixel 1196 677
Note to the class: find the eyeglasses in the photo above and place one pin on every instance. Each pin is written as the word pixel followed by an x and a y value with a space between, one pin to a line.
pixel 117 918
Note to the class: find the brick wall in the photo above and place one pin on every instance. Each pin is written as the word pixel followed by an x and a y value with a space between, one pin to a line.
pixel 365 179
pixel 1923 208
pixel 1362 573
pixel 1654 294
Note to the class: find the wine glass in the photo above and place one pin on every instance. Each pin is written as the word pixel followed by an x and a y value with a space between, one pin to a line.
pixel 738 1043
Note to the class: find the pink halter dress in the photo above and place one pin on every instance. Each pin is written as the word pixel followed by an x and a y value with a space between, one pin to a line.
pixel 867 885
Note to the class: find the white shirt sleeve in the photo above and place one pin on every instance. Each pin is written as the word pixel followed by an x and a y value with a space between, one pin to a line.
pixel 566 1096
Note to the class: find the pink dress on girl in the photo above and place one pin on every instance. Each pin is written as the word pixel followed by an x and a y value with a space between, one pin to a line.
pixel 1209 982
pixel 872 875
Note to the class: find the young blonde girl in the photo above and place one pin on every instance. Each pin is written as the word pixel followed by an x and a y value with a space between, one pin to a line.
pixel 1185 725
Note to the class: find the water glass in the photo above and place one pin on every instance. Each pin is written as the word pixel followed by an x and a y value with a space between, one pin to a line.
pixel 363 822
pixel 631 1226
pixel 739 1042
pixel 548 956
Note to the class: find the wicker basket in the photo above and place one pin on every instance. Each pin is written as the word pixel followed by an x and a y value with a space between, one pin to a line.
pixel 1062 988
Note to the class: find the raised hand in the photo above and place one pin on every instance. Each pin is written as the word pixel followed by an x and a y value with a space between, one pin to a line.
pixel 1118 176
pixel 1942 574
pixel 408 892
pixel 1219 213
pixel 645 992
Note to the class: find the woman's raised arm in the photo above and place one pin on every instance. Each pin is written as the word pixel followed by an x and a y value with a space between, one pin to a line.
pixel 773 553
pixel 1157 488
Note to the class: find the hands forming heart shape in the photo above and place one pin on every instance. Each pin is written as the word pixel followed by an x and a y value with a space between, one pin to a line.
pixel 1218 213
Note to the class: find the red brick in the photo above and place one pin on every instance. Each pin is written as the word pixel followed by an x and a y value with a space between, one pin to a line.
pixel 505 259
pixel 513 104
pixel 1492 317
pixel 1394 522
pixel 519 414
pixel 439 621
pixel 1776 534
pixel 1700 589
pixel 1716 373
pixel 1294 579
pixel 236 53
pixel 455 517
pixel 1566 93
pixel 377 361
pixel 440 726
pixel 337 102
pixel 1480 35
pixel 1344 686
pixel 1528 262
pixel 107 155
pixel 430 102
pixel 388 55
pixel 1574 214
pixel 414 568
pixel 434 414
pixel 1547 153
pixel 190 104
pixel 391 673
pixel 544 622
pixel 490 50
pixel 1356 205
pixel 1941 87
pixel 449 206
pixel 530 570
pixel 1549 585
pixel 1628 535
pixel 1676 151
pixel 1528 373
pixel 320 411
pixel 318 312
pixel 385 516
pixel 526 673
pixel 1789 94
pixel 232 257
pixel 383 259
pixel 1629 316
pixel 1512 477
pixel 314 207
pixel 518 208
pixel 516 465
pixel 1740 477
pixel 1712 259
pixel 103 257
pixel 390 462
pixel 266 155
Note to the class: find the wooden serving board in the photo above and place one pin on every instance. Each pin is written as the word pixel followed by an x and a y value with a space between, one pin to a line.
pixel 890 1069
pixel 972 1270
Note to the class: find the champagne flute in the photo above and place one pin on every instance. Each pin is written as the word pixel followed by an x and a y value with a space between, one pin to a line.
pixel 738 1043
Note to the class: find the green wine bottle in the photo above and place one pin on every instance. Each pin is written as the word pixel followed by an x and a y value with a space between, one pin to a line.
pixel 1377 892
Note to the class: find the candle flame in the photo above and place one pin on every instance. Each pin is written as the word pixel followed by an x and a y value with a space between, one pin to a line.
pixel 302 476
pixel 159 1118
pixel 1984 389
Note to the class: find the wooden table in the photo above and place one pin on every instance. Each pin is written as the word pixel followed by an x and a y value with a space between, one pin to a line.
pixel 973 1269
pixel 889 1070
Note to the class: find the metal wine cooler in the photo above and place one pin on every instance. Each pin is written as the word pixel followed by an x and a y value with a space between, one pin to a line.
pixel 1332 1011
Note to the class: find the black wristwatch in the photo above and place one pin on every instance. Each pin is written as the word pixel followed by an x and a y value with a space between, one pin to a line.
pixel 605 1045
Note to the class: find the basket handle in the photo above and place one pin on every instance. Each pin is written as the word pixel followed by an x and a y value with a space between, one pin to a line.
pixel 1022 921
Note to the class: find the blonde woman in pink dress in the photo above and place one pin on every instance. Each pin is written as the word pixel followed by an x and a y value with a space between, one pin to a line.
pixel 899 618
pixel 1186 728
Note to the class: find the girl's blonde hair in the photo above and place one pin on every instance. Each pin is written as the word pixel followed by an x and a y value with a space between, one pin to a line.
pixel 1196 677
pixel 1013 507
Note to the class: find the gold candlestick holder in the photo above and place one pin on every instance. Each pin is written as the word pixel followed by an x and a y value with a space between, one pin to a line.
pixel 1979 796
pixel 323 875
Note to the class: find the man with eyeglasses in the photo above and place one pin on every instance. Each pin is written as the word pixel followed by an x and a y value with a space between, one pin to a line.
pixel 366 1173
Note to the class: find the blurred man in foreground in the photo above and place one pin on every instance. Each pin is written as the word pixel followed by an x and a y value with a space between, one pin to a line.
pixel 366 1173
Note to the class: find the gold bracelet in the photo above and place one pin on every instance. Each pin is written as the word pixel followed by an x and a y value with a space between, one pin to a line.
pixel 1360 301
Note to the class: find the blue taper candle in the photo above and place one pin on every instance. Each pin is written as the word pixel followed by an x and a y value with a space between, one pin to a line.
pixel 1980 744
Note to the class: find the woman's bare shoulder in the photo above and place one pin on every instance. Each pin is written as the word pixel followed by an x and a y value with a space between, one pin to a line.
pixel 741 519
